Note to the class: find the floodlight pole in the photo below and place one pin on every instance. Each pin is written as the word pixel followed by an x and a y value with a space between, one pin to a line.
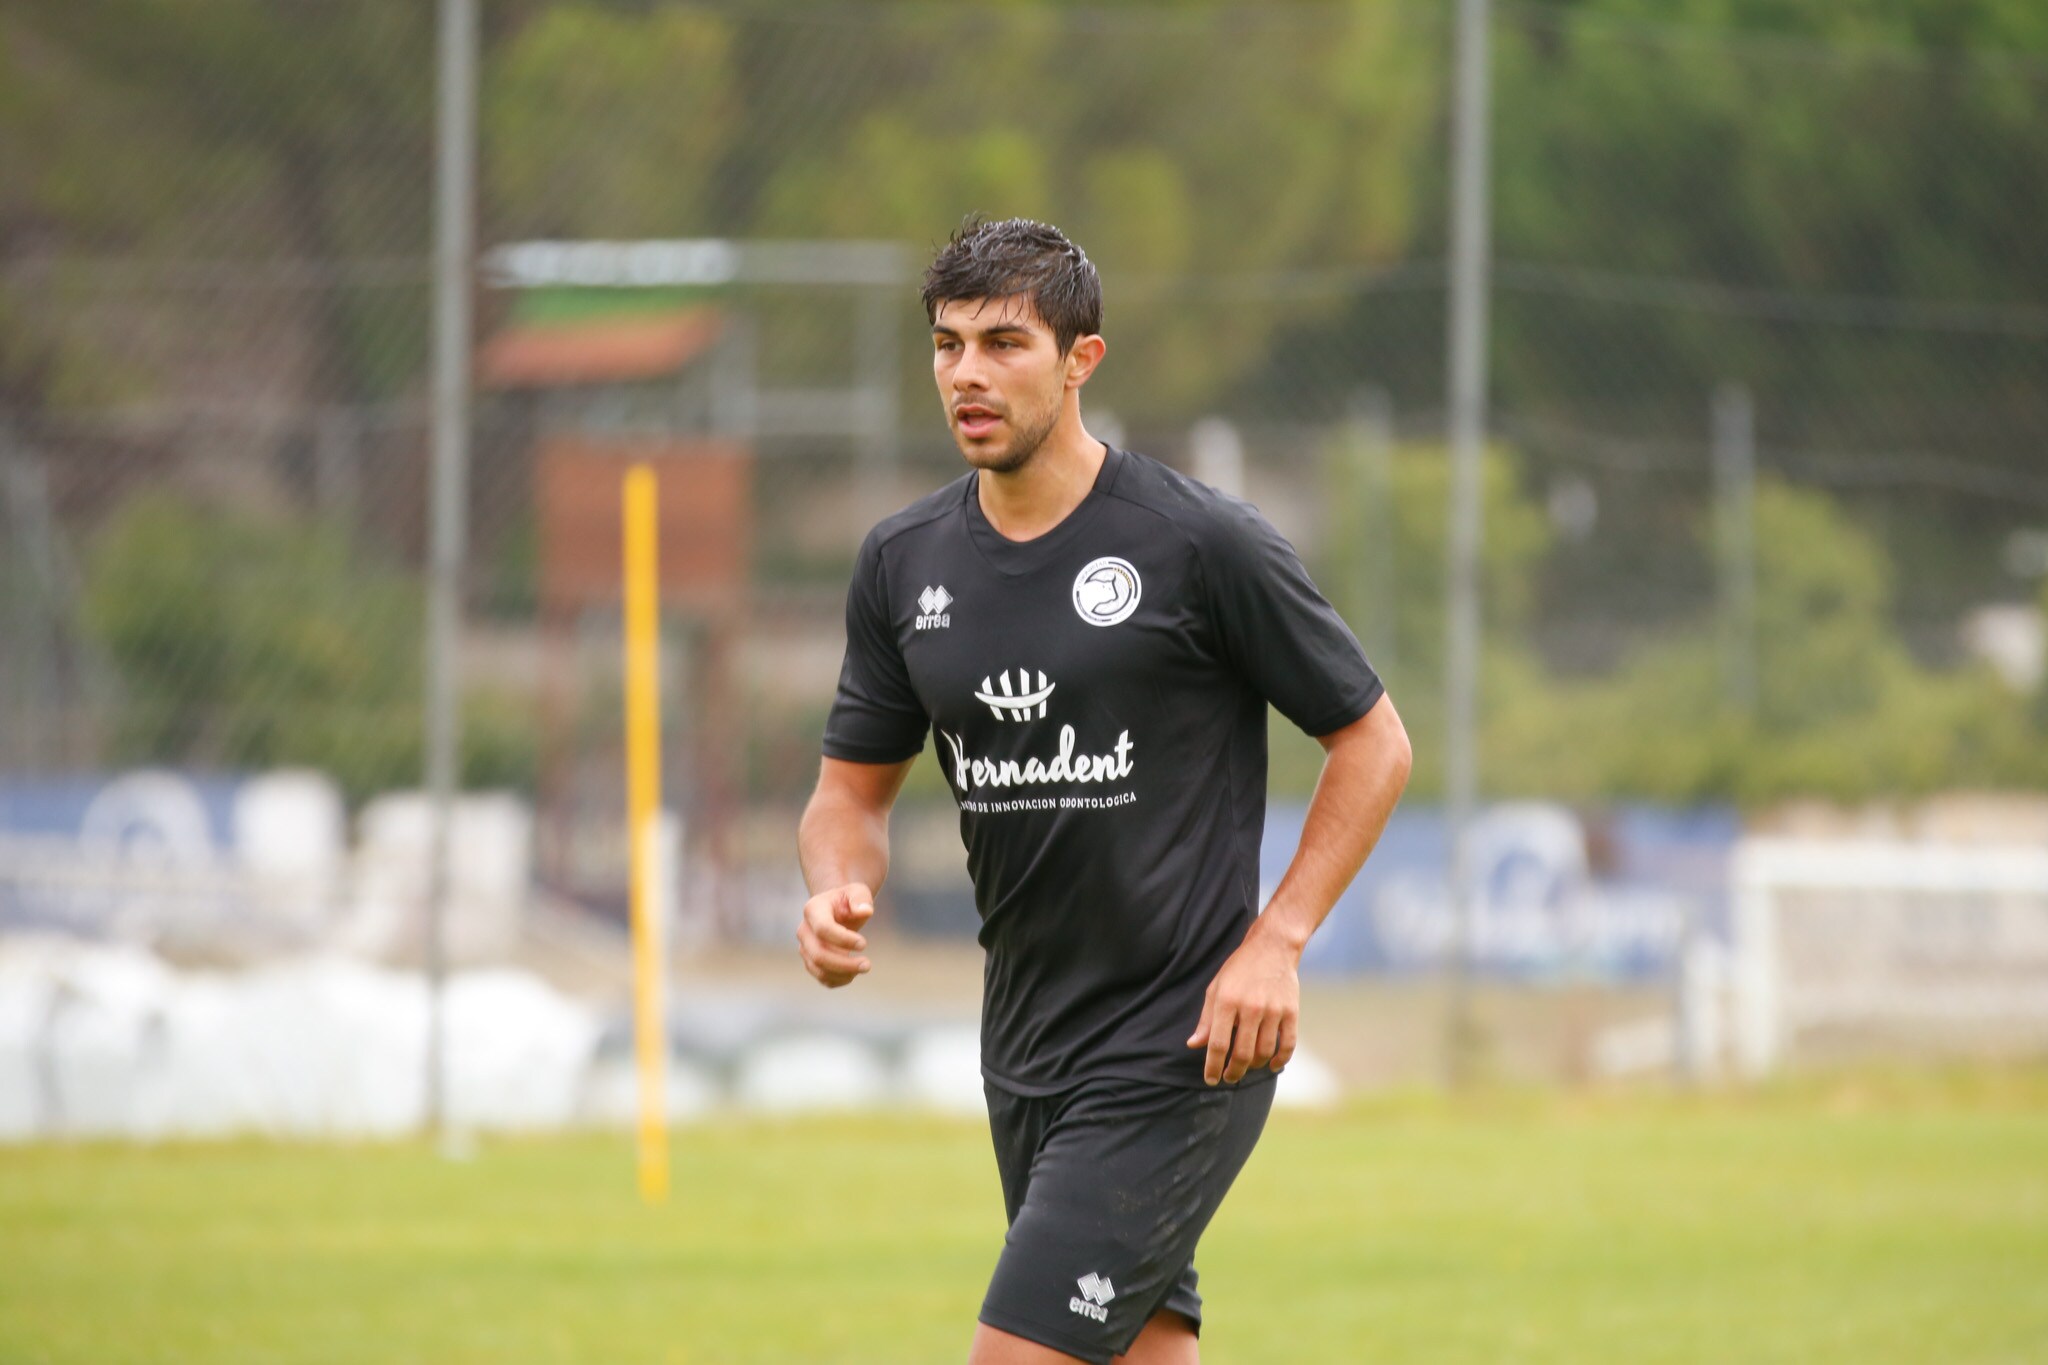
pixel 454 257
pixel 1467 411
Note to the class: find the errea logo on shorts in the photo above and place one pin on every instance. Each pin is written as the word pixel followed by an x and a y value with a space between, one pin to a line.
pixel 931 606
pixel 1096 1292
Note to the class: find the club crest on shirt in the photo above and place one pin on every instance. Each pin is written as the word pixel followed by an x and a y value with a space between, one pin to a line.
pixel 1106 591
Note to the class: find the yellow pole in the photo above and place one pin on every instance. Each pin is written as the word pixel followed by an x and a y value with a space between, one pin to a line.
pixel 643 803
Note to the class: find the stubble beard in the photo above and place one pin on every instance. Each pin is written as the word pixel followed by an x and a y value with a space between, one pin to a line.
pixel 1013 457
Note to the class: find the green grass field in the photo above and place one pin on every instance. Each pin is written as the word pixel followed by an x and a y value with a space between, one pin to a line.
pixel 1879 1218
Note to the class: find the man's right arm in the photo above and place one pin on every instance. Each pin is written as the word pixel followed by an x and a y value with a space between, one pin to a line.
pixel 843 846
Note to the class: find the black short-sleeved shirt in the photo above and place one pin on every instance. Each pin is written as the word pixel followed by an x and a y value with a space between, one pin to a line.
pixel 1099 700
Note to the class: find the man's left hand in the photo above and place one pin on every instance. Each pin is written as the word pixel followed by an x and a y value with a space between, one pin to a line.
pixel 1252 1009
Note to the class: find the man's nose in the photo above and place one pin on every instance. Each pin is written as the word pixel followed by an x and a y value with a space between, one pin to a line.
pixel 967 372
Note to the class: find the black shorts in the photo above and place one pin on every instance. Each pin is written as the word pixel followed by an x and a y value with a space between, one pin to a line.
pixel 1108 1187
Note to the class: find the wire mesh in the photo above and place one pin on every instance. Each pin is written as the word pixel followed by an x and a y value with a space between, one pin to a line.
pixel 213 315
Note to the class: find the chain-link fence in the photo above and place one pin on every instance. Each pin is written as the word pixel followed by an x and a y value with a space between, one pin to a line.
pixel 1766 514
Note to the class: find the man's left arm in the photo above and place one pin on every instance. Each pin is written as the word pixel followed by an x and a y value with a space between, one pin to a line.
pixel 1252 1011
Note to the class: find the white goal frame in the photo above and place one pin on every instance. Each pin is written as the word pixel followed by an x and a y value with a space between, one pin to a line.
pixel 1765 1015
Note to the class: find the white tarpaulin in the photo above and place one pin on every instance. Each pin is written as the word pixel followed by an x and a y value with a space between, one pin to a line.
pixel 102 1041
pixel 98 1041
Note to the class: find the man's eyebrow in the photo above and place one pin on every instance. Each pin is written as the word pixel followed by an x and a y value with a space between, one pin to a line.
pixel 994 329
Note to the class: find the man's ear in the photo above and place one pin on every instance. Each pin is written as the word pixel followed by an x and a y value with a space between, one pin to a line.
pixel 1082 358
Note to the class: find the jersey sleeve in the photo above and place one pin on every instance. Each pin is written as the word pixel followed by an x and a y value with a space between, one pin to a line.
pixel 876 716
pixel 1277 629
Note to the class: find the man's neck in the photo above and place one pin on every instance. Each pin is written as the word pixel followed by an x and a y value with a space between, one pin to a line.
pixel 1028 502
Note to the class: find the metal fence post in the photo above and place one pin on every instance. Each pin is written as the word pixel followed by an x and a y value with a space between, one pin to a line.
pixel 454 257
pixel 1735 540
pixel 1467 405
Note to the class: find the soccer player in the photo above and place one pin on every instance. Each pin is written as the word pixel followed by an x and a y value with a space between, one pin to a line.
pixel 1094 640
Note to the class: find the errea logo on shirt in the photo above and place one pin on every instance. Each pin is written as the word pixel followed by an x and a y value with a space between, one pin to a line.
pixel 931 605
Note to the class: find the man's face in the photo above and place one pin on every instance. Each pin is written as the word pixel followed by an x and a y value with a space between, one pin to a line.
pixel 1001 376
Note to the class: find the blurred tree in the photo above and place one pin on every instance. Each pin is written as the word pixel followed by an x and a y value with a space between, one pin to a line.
pixel 238 131
pixel 1518 536
pixel 1843 709
pixel 1174 146
pixel 245 643
pixel 604 123
pixel 1825 646
pixel 1835 204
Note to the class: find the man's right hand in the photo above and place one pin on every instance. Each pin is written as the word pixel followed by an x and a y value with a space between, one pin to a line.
pixel 829 936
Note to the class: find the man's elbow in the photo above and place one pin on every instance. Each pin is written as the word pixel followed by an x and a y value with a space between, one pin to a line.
pixel 1384 740
pixel 1375 741
pixel 1400 754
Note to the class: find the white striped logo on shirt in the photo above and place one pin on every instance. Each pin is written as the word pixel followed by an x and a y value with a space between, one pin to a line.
pixel 1015 703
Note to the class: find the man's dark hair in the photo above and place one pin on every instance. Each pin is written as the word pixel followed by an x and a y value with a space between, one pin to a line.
pixel 1014 257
